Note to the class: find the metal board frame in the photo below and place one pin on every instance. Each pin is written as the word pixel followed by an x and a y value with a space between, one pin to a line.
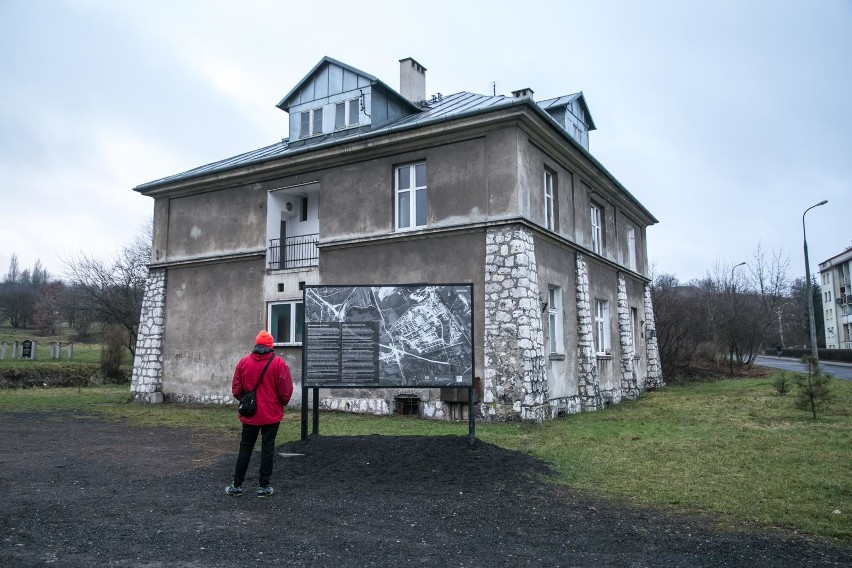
pixel 387 336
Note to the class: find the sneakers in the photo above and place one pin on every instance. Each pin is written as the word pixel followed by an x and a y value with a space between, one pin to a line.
pixel 238 491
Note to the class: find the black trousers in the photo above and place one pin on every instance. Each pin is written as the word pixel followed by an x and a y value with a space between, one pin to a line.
pixel 267 452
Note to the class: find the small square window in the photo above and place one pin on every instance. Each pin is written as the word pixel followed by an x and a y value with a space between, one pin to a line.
pixel 286 322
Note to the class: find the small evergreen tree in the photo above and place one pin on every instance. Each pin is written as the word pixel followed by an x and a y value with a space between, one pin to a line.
pixel 814 389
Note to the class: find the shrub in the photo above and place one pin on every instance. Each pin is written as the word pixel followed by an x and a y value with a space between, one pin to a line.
pixel 112 355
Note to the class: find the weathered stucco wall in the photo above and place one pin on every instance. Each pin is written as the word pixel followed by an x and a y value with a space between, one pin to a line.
pixel 441 259
pixel 218 222
pixel 213 312
pixel 557 268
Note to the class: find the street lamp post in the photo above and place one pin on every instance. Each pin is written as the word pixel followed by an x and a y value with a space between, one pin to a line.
pixel 732 272
pixel 814 350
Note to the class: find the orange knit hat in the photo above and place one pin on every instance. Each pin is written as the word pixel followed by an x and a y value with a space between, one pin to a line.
pixel 263 338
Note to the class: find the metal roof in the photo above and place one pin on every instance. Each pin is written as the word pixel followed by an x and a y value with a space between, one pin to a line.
pixel 566 100
pixel 437 109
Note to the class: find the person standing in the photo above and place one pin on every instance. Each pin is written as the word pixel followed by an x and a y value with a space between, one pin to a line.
pixel 273 394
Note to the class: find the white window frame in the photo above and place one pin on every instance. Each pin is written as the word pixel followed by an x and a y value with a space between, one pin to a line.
pixel 351 114
pixel 410 195
pixel 314 126
pixel 631 247
pixel 549 201
pixel 602 342
pixel 554 319
pixel 596 213
pixel 294 323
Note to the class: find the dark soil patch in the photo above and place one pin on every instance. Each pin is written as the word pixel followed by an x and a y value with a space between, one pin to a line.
pixel 76 491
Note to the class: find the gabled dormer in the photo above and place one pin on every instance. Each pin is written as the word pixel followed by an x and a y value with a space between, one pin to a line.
pixel 335 98
pixel 572 113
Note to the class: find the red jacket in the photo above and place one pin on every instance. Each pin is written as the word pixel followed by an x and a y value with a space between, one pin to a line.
pixel 274 392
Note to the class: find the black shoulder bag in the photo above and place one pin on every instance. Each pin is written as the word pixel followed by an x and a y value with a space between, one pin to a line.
pixel 248 402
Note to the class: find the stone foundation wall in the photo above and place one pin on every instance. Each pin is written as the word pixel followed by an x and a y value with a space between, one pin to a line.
pixel 515 385
pixel 147 379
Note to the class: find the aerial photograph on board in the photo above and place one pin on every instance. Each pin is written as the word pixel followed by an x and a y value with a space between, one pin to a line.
pixel 389 335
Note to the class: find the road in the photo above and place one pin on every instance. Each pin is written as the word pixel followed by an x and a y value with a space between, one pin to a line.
pixel 836 370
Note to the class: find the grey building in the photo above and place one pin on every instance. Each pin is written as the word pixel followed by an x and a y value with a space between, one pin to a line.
pixel 375 186
pixel 836 287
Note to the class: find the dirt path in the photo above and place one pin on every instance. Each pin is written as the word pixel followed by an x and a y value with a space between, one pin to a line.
pixel 76 491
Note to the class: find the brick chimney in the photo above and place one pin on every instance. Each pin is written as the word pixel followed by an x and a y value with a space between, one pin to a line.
pixel 412 80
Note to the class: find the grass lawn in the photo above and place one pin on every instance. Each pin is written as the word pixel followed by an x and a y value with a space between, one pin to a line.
pixel 733 448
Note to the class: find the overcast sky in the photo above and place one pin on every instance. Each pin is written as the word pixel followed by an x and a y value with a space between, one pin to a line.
pixel 726 119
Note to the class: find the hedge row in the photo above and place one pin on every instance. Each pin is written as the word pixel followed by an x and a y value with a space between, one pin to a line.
pixel 58 376
pixel 844 355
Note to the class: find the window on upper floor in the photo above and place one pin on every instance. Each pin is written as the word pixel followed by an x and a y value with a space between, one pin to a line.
pixel 597 228
pixel 602 344
pixel 317 120
pixel 554 319
pixel 286 321
pixel 310 123
pixel 410 192
pixel 631 247
pixel 346 114
pixel 304 124
pixel 549 200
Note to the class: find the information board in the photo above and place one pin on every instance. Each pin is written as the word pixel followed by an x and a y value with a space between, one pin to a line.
pixel 388 336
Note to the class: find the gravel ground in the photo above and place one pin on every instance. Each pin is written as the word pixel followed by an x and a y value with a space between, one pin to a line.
pixel 76 491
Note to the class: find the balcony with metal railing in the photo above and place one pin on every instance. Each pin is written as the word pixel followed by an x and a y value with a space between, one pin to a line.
pixel 293 252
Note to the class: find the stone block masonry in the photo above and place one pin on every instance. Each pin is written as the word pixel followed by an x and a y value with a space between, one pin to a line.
pixel 587 366
pixel 629 382
pixel 654 378
pixel 515 385
pixel 147 379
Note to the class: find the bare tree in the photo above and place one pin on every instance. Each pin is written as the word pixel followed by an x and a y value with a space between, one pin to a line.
pixel 18 292
pixel 48 317
pixel 114 288
pixel 680 325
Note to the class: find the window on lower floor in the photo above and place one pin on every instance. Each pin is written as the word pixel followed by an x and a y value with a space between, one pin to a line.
pixel 602 345
pixel 286 321
pixel 634 328
pixel 554 319
pixel 411 202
